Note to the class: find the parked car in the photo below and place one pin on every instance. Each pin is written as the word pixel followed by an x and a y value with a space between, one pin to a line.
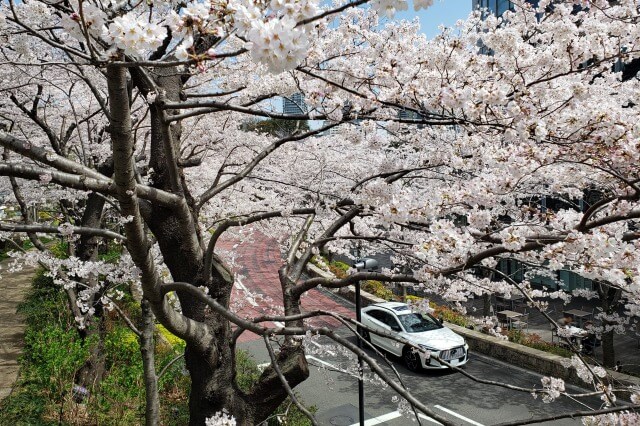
pixel 424 330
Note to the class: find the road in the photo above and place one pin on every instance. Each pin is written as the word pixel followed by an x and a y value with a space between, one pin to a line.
pixel 335 392
pixel 333 389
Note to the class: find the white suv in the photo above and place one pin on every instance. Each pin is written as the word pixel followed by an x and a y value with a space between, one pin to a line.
pixel 422 329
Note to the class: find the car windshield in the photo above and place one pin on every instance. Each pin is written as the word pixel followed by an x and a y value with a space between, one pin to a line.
pixel 416 323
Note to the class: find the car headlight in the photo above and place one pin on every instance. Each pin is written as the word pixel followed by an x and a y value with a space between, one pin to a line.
pixel 427 348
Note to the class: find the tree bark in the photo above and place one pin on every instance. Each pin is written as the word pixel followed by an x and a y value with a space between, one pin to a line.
pixel 147 348
pixel 92 371
pixel 609 298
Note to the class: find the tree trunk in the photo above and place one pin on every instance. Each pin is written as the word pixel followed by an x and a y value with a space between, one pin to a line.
pixel 486 305
pixel 92 371
pixel 608 350
pixel 147 348
pixel 609 299
pixel 212 370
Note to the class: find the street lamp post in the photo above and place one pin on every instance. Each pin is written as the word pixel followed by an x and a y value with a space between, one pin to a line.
pixel 367 264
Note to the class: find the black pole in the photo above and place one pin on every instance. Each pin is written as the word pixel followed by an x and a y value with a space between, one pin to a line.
pixel 360 363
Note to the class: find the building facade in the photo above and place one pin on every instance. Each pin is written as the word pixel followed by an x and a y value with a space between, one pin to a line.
pixel 294 104
pixel 498 7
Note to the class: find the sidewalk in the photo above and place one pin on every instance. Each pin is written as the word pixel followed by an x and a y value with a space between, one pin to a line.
pixel 14 286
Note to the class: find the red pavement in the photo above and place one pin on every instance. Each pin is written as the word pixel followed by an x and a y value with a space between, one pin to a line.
pixel 257 290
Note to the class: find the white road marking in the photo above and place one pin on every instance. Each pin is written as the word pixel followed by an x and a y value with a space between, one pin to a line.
pixel 247 293
pixel 461 417
pixel 380 419
pixel 390 416
pixel 425 417
pixel 328 364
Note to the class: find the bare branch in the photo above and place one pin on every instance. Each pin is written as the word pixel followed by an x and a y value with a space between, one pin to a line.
pixel 79 230
pixel 285 384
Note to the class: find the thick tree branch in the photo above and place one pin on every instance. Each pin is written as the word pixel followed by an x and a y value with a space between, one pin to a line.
pixel 44 229
pixel 49 158
pixel 307 285
pixel 105 186
pixel 137 243
pixel 285 383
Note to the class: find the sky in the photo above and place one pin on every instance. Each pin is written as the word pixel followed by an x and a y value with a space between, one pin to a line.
pixel 443 12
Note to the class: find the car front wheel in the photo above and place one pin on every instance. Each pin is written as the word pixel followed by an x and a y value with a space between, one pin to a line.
pixel 411 359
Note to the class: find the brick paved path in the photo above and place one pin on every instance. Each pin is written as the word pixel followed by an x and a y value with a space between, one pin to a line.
pixel 257 264
pixel 13 286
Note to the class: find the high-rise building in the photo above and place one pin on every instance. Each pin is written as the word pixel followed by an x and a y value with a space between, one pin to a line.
pixel 294 104
pixel 498 7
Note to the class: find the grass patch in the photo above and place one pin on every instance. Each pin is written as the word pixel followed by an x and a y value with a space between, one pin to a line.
pixel 54 352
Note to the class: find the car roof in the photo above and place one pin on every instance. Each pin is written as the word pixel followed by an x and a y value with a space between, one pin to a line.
pixel 398 308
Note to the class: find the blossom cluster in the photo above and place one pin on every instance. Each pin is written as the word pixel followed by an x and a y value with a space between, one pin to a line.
pixel 134 35
pixel 583 370
pixel 278 42
pixel 273 34
pixel 553 388
pixel 221 418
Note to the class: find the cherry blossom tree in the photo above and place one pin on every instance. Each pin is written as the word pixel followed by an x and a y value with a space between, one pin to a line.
pixel 131 118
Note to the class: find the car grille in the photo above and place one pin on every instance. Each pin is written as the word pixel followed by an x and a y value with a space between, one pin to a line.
pixel 452 353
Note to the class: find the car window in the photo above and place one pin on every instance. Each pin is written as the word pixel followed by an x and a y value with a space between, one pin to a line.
pixel 379 315
pixel 384 317
pixel 416 322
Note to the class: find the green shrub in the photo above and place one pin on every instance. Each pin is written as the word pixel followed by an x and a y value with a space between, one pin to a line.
pixel 176 342
pixel 449 315
pixel 45 304
pixel 412 299
pixel 52 354
pixel 534 341
pixel 339 269
pixel 60 249
pixel 318 260
pixel 247 371
pixel 112 252
pixel 26 406
pixel 378 289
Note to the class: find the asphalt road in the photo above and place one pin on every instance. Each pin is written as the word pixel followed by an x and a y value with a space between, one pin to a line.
pixel 334 391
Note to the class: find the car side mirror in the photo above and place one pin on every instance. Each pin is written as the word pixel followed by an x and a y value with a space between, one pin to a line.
pixel 396 328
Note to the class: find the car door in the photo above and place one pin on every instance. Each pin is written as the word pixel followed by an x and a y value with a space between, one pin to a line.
pixel 386 322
